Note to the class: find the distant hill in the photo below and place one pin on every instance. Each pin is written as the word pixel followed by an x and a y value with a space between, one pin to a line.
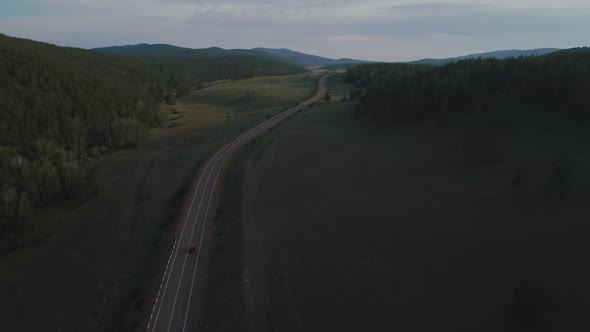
pixel 171 51
pixel 494 54
pixel 572 51
pixel 306 60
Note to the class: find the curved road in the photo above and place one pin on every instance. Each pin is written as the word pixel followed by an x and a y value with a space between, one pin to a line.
pixel 172 306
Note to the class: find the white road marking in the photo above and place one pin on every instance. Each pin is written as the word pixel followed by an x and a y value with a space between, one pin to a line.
pixel 201 238
pixel 191 206
pixel 182 232
pixel 237 146
pixel 226 151
pixel 190 241
pixel 161 283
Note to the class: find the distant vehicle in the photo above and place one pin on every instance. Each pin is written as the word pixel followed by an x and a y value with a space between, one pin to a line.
pixel 192 248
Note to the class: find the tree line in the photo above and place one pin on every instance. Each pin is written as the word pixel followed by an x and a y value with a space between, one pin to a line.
pixel 557 82
pixel 60 107
pixel 484 100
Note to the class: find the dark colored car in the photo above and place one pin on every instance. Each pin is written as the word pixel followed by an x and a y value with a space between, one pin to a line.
pixel 192 248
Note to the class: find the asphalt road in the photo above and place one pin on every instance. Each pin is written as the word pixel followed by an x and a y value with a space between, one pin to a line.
pixel 172 308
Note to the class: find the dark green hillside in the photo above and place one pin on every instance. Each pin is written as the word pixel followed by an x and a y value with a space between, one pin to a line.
pixel 558 83
pixel 226 67
pixel 572 51
pixel 62 106
pixel 56 112
pixel 171 51
pixel 503 54
pixel 489 176
pixel 157 50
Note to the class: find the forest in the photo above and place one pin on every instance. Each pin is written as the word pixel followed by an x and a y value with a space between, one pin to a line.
pixel 558 82
pixel 61 107
pixel 508 140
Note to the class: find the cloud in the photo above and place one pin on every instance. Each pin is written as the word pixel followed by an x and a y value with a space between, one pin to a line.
pixel 371 29
pixel 352 38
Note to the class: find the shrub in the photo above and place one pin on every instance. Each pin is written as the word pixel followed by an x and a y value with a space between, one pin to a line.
pixel 94 152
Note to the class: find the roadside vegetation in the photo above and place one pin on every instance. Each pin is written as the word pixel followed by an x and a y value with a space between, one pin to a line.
pixel 95 262
pixel 62 107
pixel 408 212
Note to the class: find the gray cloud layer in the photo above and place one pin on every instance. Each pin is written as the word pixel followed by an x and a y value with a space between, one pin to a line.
pixel 372 29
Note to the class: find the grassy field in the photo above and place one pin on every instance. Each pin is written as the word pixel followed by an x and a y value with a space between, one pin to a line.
pixel 332 224
pixel 92 273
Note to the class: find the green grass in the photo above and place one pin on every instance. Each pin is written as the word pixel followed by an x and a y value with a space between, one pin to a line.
pixel 347 227
pixel 338 88
pixel 92 273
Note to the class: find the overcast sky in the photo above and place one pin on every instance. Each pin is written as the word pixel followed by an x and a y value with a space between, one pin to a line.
pixel 384 30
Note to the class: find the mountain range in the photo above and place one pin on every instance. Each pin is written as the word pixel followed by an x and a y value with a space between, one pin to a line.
pixel 307 60
pixel 503 54
pixel 290 56
pixel 171 51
